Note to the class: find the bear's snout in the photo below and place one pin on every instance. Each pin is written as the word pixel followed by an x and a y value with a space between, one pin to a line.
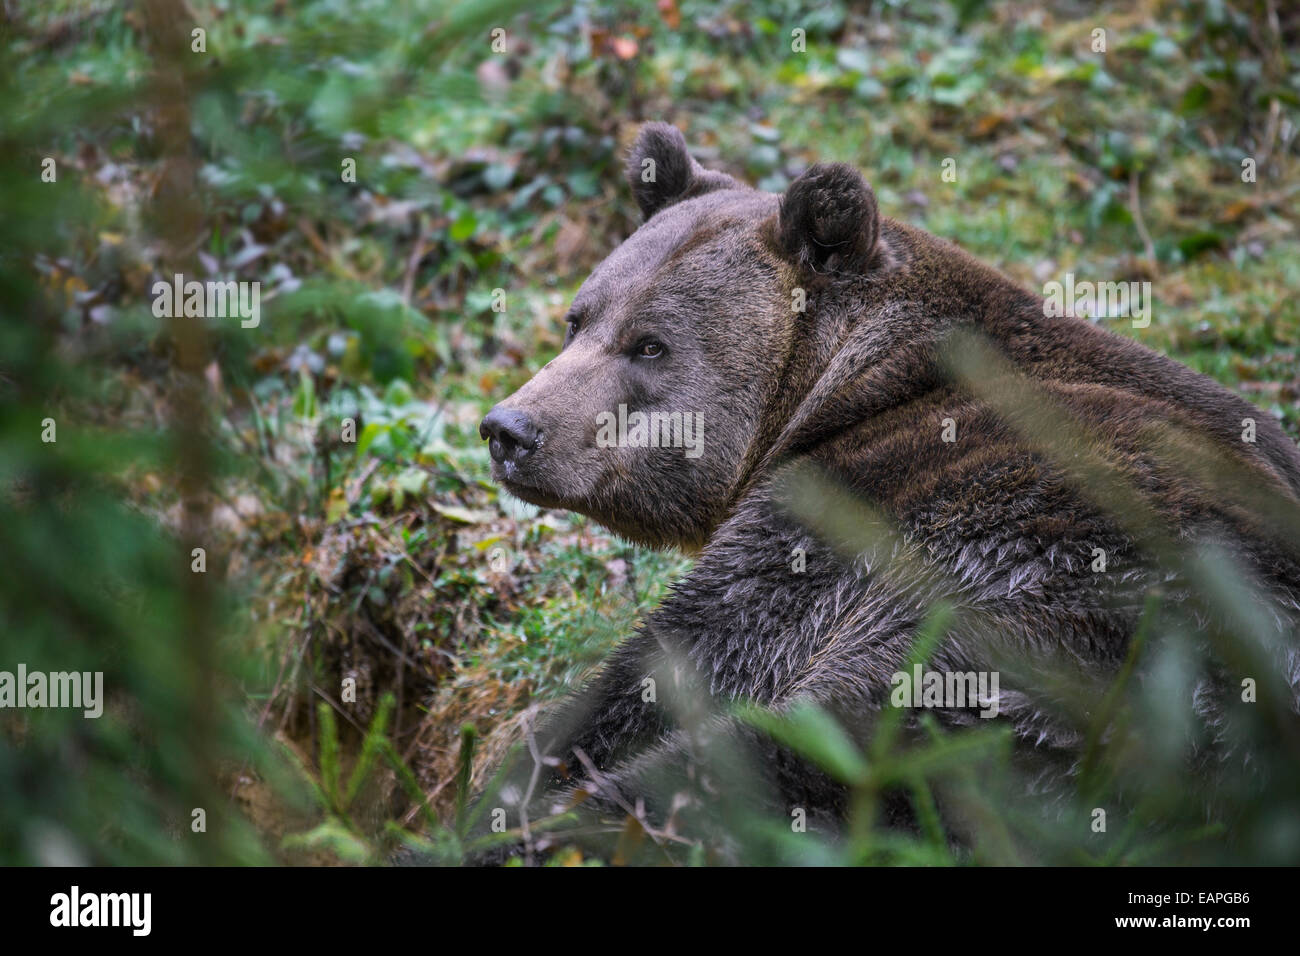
pixel 511 435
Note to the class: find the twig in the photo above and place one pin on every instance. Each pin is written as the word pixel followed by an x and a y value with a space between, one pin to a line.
pixel 1135 206
pixel 657 836
pixel 319 245
pixel 532 785
pixel 338 708
pixel 412 263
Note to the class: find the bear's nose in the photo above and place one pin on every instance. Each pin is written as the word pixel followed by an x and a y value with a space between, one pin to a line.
pixel 511 435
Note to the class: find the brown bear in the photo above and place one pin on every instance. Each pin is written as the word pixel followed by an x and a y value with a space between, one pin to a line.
pixel 746 368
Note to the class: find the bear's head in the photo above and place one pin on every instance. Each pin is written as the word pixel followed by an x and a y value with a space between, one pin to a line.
pixel 673 378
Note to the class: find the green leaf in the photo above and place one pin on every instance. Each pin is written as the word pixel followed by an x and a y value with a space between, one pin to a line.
pixel 411 480
pixel 1199 242
pixel 332 836
pixel 398 393
pixel 304 399
pixel 371 748
pixel 463 515
pixel 815 734
pixel 329 753
pixel 463 227
pixel 368 436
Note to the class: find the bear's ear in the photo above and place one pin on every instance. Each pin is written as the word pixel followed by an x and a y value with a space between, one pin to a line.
pixel 661 171
pixel 828 220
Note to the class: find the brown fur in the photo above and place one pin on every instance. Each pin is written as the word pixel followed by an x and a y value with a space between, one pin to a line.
pixel 852 394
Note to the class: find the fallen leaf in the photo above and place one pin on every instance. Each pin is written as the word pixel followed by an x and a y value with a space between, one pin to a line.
pixel 668 11
pixel 463 515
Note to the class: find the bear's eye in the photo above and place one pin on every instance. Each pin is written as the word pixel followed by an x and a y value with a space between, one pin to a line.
pixel 572 324
pixel 649 348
